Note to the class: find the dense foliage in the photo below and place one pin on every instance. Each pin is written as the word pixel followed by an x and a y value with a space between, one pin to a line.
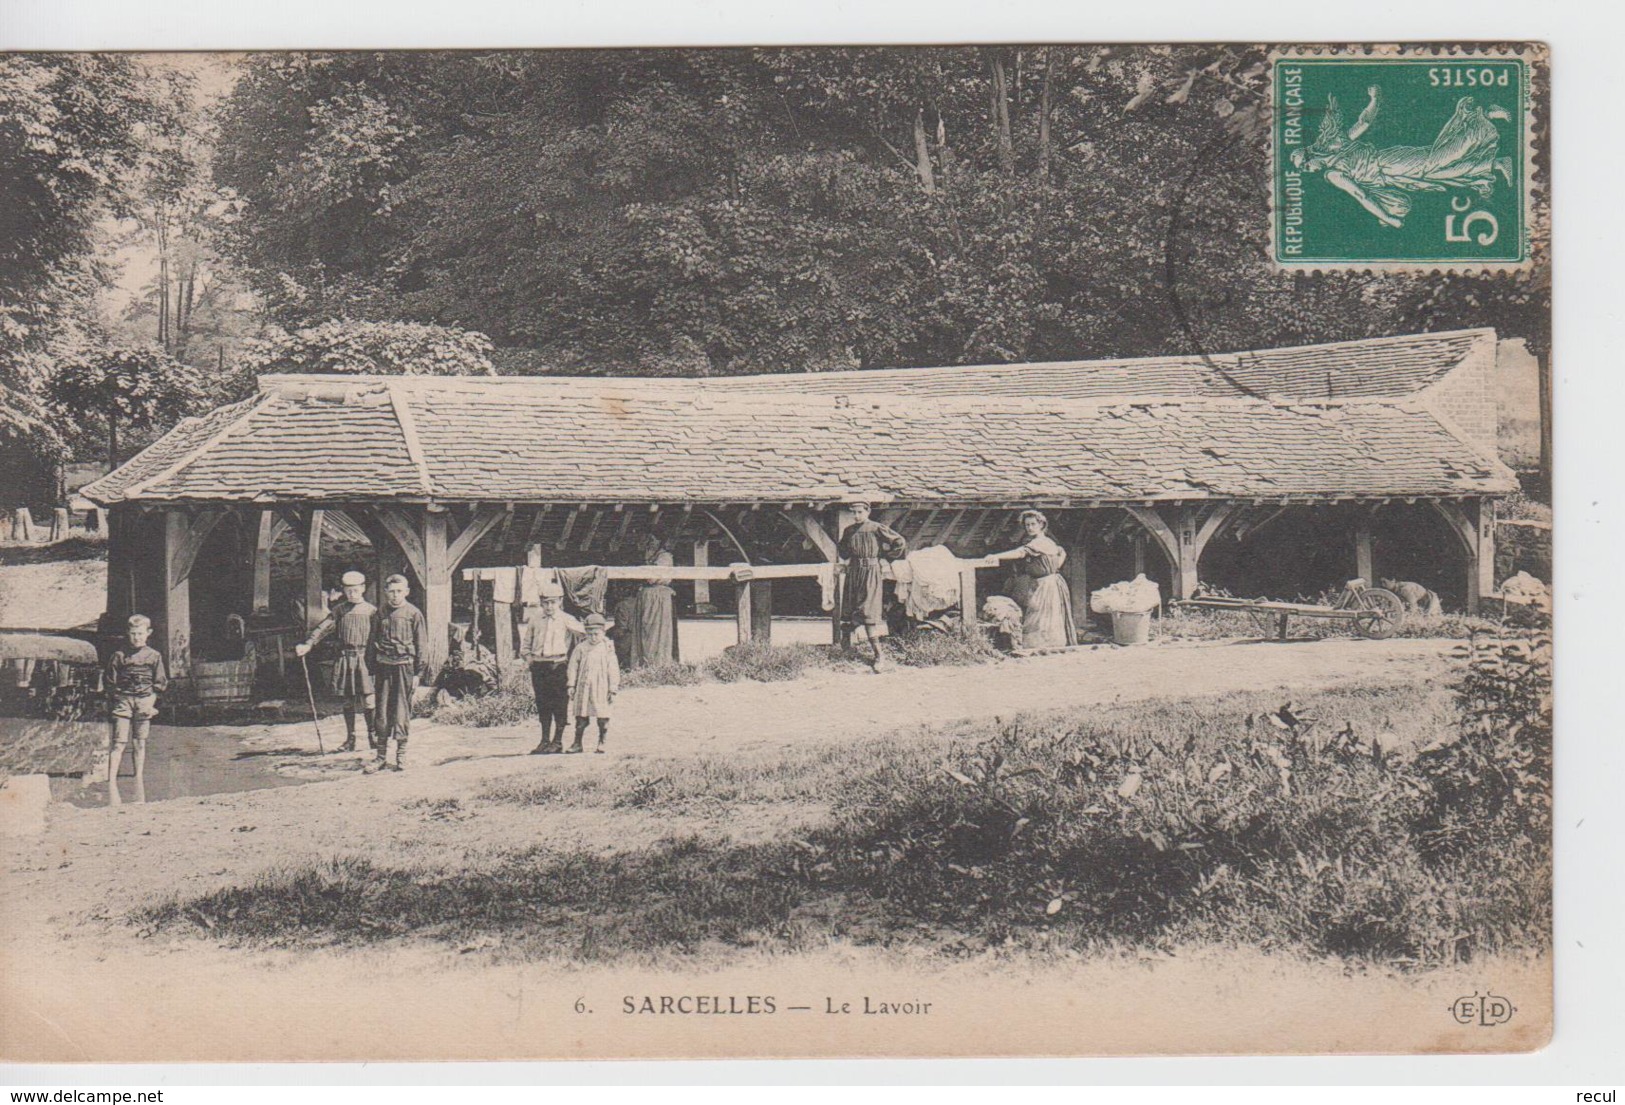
pixel 120 390
pixel 372 348
pixel 772 210
pixel 71 129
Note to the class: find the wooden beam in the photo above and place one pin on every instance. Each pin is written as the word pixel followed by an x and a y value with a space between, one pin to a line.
pixel 400 525
pixel 569 524
pixel 592 528
pixel 761 611
pixel 196 532
pixel 947 533
pixel 174 616
pixel 620 530
pixel 810 525
pixel 1363 566
pixel 485 519
pixel 744 626
pixel 437 569
pixel 315 596
pixel 536 522
pixel 702 559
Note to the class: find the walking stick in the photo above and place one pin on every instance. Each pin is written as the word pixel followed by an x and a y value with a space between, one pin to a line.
pixel 310 693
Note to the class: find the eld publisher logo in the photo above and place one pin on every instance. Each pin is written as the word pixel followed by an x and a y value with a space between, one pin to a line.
pixel 1483 1010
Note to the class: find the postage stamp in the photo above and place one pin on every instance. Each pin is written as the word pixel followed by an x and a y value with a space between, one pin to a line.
pixel 1403 160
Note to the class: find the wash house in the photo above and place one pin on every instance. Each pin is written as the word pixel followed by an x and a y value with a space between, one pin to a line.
pixel 1282 472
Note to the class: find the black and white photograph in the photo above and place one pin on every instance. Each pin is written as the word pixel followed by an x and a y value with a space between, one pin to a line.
pixel 770 552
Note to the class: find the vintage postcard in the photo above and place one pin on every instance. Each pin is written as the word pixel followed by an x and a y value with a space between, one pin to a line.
pixel 685 553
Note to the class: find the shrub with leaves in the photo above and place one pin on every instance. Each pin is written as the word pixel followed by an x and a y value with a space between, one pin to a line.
pixel 374 348
pixel 1493 780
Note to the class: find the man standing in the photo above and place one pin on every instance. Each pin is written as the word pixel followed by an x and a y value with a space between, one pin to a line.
pixel 352 616
pixel 863 544
pixel 548 637
pixel 400 653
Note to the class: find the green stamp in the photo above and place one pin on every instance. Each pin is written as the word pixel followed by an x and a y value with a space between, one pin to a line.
pixel 1404 160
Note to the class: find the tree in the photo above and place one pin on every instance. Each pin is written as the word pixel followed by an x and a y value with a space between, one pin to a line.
pixel 725 211
pixel 123 390
pixel 373 348
pixel 71 127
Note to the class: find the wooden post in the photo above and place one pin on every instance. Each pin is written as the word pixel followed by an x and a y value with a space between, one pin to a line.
pixel 843 518
pixel 1481 564
pixel 315 595
pixel 702 587
pixel 1139 556
pixel 1076 573
pixel 969 615
pixel 502 616
pixel 761 611
pixel 1190 552
pixel 59 524
pixel 1362 548
pixel 436 585
pixel 264 539
pixel 742 597
pixel 174 619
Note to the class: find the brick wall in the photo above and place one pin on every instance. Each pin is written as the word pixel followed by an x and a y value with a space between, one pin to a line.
pixel 1467 395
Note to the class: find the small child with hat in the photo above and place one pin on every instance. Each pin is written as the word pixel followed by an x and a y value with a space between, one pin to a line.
pixel 352 683
pixel 595 679
pixel 135 678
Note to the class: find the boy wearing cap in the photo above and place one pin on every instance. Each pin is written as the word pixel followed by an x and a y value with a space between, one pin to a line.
pixel 400 655
pixel 352 617
pixel 548 637
pixel 135 677
pixel 594 677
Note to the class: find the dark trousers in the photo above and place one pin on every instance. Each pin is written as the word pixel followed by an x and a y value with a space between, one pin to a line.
pixel 552 687
pixel 393 684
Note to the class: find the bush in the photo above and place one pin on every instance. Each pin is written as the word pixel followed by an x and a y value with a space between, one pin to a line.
pixel 1492 781
pixel 1193 823
pixel 510 703
pixel 932 648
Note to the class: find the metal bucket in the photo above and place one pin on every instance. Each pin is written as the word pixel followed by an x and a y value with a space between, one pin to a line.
pixel 1131 629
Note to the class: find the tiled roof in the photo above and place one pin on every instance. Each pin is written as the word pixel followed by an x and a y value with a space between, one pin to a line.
pixel 586 439
pixel 1371 368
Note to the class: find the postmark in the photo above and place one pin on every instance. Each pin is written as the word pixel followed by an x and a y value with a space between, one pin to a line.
pixel 1403 159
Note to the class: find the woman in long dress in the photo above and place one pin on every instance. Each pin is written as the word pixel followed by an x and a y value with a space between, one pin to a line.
pixel 1046 601
pixel 656 618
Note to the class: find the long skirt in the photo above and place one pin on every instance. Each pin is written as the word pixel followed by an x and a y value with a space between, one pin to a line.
pixel 1046 612
pixel 651 643
pixel 351 676
pixel 861 596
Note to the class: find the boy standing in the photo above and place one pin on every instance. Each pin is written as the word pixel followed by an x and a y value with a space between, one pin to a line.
pixel 400 653
pixel 595 679
pixel 549 634
pixel 135 678
pixel 352 678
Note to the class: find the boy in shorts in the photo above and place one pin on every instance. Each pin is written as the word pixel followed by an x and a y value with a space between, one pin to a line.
pixel 135 678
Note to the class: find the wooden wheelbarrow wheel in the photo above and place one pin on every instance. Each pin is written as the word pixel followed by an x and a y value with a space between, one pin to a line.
pixel 1380 613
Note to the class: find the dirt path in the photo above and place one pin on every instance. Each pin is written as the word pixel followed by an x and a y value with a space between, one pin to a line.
pixel 66 894
pixel 101 860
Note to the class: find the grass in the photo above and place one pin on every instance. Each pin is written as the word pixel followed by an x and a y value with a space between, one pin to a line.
pixel 511 703
pixel 76 547
pixel 1186 624
pixel 1176 823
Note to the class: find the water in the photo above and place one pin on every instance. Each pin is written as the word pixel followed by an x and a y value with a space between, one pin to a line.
pixel 182 760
